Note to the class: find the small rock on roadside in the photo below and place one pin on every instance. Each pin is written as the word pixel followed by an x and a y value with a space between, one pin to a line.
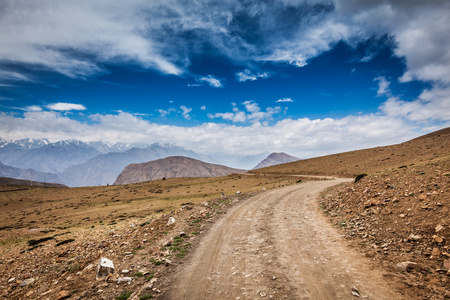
pixel 407 265
pixel 171 221
pixel 63 295
pixel 124 279
pixel 355 292
pixel 27 282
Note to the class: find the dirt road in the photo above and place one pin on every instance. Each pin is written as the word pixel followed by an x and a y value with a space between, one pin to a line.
pixel 278 245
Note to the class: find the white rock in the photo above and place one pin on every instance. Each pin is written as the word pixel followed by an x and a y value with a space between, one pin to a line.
pixel 105 267
pixel 124 279
pixel 171 221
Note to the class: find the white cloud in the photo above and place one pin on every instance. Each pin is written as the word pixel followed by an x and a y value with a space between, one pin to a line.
pixel 249 75
pixel 284 100
pixel 302 137
pixel 420 30
pixel 186 111
pixel 63 106
pixel 203 107
pixel 160 35
pixel 211 80
pixel 383 86
pixel 432 105
pixel 164 113
pixel 253 113
pixel 33 108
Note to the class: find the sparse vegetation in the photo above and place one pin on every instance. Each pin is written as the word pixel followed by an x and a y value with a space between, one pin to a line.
pixel 124 296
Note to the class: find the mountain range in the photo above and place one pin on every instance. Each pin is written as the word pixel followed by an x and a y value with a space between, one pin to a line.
pixel 75 163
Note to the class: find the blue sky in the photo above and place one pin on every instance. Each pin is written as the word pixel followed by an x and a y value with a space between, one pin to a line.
pixel 304 77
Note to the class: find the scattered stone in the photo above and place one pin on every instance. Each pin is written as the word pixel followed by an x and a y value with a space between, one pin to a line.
pixel 238 192
pixel 441 270
pixel 435 252
pixel 414 237
pixel 355 292
pixel 402 216
pixel 105 267
pixel 438 239
pixel 11 280
pixel 447 264
pixel 439 228
pixel 125 271
pixel 63 295
pixel 171 221
pixel 27 282
pixel 407 265
pixel 124 279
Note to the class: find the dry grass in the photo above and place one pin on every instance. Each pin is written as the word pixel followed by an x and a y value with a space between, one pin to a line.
pixel 27 211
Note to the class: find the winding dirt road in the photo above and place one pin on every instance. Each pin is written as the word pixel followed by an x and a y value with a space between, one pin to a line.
pixel 278 245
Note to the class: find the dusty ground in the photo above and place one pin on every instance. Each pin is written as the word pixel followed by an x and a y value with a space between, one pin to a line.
pixel 399 215
pixel 39 259
pixel 278 245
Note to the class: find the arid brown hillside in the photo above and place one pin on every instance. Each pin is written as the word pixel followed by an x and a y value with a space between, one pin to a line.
pixel 172 167
pixel 368 160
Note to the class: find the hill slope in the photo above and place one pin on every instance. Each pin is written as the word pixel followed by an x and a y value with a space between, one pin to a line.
pixel 104 169
pixel 12 181
pixel 171 167
pixel 276 158
pixel 368 160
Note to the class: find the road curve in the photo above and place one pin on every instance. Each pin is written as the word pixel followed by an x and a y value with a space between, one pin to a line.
pixel 278 245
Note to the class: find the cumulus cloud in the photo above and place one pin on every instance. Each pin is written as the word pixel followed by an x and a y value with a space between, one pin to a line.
pixel 432 105
pixel 252 113
pixel 419 28
pixel 247 75
pixel 203 107
pixel 282 100
pixel 63 106
pixel 185 112
pixel 302 137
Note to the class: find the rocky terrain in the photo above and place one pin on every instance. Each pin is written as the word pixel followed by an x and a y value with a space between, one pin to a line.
pixel 276 158
pixel 172 167
pixel 396 214
pixel 144 238
pixel 401 218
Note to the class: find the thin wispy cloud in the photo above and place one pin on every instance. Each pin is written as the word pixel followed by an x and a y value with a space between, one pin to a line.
pixel 284 100
pixel 248 75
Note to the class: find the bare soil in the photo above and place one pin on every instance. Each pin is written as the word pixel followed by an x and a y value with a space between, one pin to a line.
pixel 278 245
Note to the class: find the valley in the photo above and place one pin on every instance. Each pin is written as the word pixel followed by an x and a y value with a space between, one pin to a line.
pixel 383 236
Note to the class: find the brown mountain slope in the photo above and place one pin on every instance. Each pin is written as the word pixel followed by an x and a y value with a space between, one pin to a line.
pixel 276 159
pixel 368 160
pixel 171 167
